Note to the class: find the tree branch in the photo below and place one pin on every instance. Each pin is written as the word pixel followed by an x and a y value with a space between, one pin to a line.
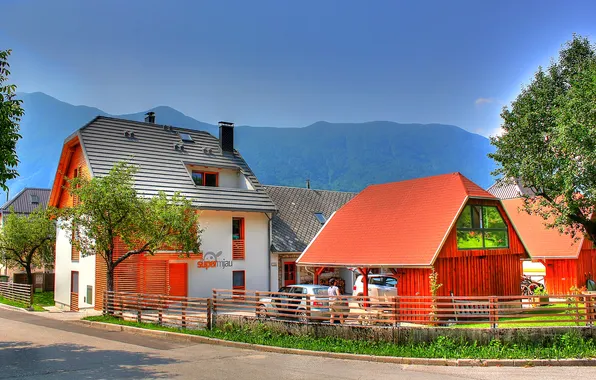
pixel 131 253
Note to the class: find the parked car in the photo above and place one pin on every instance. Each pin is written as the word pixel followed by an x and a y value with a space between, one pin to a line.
pixel 293 303
pixel 379 285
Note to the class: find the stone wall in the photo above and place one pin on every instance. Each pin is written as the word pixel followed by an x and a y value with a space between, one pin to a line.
pixel 404 335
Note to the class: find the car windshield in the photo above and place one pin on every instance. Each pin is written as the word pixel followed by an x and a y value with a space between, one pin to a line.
pixel 322 291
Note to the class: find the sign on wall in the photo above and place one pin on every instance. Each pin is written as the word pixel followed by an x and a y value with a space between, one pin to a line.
pixel 211 260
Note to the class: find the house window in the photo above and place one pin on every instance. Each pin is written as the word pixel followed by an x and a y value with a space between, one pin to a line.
pixel 205 179
pixel 239 280
pixel 238 248
pixel 481 227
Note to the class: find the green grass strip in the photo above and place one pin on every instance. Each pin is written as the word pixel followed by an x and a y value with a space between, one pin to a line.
pixel 569 345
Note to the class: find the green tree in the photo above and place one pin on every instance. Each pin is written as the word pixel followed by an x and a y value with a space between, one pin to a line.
pixel 27 241
pixel 549 140
pixel 10 116
pixel 109 209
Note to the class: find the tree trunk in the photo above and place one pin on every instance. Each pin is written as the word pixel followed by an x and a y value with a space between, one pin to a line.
pixel 110 278
pixel 29 274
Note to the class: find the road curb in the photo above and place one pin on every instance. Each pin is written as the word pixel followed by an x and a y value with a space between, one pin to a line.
pixel 180 337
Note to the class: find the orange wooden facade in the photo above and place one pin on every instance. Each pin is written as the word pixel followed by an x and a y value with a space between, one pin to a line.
pixel 482 272
pixel 563 274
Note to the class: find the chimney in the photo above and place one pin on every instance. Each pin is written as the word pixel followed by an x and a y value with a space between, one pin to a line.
pixel 226 136
pixel 150 117
pixel 308 183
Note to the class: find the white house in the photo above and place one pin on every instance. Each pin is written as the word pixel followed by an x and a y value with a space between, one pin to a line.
pixel 235 211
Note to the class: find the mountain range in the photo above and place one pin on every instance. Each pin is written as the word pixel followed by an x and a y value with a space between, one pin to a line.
pixel 337 156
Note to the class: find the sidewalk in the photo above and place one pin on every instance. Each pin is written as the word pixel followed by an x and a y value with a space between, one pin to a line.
pixel 55 313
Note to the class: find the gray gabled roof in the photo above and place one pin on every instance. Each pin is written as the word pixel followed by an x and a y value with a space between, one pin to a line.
pixel 509 188
pixel 22 203
pixel 161 167
pixel 294 226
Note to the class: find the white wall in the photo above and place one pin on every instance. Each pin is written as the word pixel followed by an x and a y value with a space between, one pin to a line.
pixel 217 236
pixel 64 265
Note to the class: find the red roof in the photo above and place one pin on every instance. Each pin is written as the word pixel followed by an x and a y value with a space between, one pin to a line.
pixel 540 242
pixel 394 224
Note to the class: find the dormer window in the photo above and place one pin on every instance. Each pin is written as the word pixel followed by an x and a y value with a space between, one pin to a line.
pixel 481 227
pixel 185 137
pixel 34 198
pixel 205 178
pixel 320 217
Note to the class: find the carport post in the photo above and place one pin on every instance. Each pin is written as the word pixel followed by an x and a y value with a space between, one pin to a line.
pixel 364 272
pixel 318 272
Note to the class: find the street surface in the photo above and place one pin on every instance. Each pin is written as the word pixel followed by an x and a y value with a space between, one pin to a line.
pixel 37 347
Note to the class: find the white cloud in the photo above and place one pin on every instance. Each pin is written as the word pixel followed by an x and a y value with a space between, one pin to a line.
pixel 481 101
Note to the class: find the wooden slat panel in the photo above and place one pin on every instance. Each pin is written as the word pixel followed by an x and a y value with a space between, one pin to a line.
pixel 238 250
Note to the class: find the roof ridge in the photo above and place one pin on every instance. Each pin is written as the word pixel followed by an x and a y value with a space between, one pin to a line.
pixel 154 124
pixel 304 188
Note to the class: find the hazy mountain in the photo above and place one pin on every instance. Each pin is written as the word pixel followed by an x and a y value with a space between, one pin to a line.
pixel 333 155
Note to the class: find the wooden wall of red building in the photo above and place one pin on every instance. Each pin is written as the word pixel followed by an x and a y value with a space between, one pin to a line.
pixel 482 272
pixel 563 274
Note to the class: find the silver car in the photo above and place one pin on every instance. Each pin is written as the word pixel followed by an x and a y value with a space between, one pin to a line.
pixel 293 304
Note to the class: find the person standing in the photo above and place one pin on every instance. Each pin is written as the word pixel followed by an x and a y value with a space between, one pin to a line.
pixel 335 305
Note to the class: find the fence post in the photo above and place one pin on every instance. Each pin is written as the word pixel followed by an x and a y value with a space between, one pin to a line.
pixel 139 317
pixel 214 309
pixel 160 311
pixel 184 305
pixel 209 314
pixel 31 295
pixel 589 311
pixel 395 311
pixel 493 312
pixel 309 307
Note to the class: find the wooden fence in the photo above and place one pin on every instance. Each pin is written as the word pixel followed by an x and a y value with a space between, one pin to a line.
pixel 43 281
pixel 171 311
pixel 483 312
pixel 22 293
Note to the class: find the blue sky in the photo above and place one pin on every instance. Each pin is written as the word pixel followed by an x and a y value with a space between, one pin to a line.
pixel 289 64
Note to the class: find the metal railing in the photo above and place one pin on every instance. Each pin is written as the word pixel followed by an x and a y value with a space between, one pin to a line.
pixel 22 293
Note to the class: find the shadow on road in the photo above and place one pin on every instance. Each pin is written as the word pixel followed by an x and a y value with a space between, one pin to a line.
pixel 67 361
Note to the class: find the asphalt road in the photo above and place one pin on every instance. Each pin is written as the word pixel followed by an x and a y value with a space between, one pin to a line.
pixel 35 347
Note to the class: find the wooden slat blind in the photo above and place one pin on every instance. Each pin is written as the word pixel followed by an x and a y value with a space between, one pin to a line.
pixel 238 250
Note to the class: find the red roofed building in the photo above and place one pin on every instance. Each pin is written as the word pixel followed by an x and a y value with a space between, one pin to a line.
pixel 568 261
pixel 445 221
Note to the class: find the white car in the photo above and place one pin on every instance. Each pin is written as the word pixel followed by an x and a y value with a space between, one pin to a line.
pixel 379 285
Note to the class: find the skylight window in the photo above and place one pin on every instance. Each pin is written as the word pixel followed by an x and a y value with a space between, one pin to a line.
pixel 320 217
pixel 185 136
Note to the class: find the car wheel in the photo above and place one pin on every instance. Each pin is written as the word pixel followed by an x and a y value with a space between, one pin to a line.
pixel 302 316
pixel 359 300
pixel 261 312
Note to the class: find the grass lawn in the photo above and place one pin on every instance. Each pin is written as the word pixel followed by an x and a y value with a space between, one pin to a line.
pixel 569 345
pixel 39 300
pixel 536 318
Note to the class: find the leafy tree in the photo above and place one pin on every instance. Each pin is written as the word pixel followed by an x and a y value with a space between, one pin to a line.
pixel 10 116
pixel 549 140
pixel 27 241
pixel 109 209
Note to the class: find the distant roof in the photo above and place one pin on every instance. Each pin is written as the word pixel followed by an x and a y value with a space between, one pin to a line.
pixel 540 241
pixel 295 224
pixel 509 188
pixel 163 168
pixel 23 202
pixel 395 224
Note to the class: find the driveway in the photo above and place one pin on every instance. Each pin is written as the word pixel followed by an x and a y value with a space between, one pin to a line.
pixel 35 347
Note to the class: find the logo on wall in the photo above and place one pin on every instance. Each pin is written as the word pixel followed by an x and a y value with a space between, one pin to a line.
pixel 211 260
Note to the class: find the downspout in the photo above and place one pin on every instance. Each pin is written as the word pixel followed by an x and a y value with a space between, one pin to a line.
pixel 269 243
